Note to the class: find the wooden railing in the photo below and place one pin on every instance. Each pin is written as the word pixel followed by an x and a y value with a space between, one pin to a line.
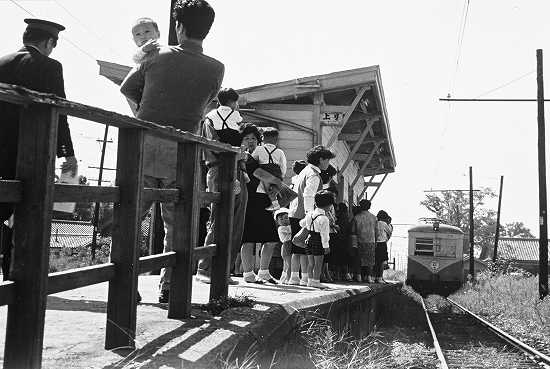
pixel 33 192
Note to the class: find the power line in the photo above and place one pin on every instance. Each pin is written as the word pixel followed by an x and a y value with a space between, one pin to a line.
pixel 506 84
pixel 85 27
pixel 62 37
pixel 460 42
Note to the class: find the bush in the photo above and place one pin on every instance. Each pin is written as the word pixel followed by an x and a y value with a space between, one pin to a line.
pixel 506 266
pixel 79 257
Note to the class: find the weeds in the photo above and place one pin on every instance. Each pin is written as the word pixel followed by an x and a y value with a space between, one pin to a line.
pixel 510 301
pixel 216 306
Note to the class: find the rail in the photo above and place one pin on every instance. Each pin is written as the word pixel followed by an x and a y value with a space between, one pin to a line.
pixel 437 347
pixel 33 193
pixel 530 351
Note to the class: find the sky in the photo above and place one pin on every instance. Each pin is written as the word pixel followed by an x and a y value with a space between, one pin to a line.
pixel 416 44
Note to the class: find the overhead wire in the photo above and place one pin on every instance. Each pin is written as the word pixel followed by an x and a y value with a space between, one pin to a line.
pixel 62 37
pixel 460 42
pixel 506 84
pixel 86 28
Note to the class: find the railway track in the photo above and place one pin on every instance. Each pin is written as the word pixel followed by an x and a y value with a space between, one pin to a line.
pixel 464 340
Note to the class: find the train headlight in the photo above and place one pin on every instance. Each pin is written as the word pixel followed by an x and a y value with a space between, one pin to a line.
pixel 436 226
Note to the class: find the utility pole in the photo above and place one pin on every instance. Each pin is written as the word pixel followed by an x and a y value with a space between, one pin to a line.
pixel 472 270
pixel 497 230
pixel 543 216
pixel 172 37
pixel 95 221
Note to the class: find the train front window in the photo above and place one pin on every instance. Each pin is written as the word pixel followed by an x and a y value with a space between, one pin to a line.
pixel 424 246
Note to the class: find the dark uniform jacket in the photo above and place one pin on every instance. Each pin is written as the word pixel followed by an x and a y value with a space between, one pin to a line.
pixel 31 69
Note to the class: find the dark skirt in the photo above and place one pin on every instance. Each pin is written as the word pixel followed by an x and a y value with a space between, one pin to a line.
pixel 380 253
pixel 339 249
pixel 259 224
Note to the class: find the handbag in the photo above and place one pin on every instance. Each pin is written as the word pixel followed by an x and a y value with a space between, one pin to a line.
pixel 300 238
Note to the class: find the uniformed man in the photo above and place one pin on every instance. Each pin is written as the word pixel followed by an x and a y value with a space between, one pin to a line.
pixel 30 67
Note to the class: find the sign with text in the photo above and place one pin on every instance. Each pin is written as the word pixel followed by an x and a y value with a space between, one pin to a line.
pixel 332 117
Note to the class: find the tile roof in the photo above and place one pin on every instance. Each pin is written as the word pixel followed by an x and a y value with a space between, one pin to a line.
pixel 519 248
pixel 67 233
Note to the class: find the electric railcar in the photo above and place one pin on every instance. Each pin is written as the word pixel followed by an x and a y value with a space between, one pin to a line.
pixel 435 258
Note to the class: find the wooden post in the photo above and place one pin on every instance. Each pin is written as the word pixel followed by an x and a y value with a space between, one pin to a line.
pixel 472 270
pixel 318 100
pixel 497 230
pixel 35 170
pixel 341 187
pixel 172 37
pixel 224 225
pixel 186 229
pixel 543 216
pixel 121 303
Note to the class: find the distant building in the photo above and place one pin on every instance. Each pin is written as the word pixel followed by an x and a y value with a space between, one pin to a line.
pixel 524 251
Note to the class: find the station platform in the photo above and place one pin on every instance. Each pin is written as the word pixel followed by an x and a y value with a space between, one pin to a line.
pixel 75 324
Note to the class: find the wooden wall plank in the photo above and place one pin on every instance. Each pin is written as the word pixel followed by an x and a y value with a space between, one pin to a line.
pixel 224 226
pixel 7 293
pixel 35 170
pixel 186 229
pixel 121 303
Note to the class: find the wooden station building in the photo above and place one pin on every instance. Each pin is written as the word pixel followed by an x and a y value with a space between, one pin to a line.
pixel 345 111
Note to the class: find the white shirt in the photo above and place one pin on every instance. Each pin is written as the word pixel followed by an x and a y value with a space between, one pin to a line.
pixel 384 231
pixel 321 225
pixel 278 156
pixel 233 120
pixel 285 233
pixel 311 174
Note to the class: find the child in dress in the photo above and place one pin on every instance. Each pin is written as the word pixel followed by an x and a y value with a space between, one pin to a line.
pixel 146 34
pixel 273 160
pixel 317 223
pixel 285 236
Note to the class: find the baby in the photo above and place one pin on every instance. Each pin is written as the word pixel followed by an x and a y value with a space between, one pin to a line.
pixel 146 34
pixel 285 236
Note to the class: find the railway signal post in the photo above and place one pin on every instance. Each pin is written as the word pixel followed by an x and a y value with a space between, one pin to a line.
pixel 472 269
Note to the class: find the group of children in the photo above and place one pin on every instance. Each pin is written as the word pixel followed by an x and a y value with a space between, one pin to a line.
pixel 333 251
pixel 334 237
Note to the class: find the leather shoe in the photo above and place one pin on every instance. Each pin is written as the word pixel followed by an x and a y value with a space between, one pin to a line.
pixel 164 296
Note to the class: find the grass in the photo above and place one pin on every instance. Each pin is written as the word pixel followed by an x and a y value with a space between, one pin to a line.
pixel 77 257
pixel 216 306
pixel 510 301
pixel 314 344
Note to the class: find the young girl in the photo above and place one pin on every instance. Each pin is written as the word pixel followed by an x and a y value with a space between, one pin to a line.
pixel 285 236
pixel 319 236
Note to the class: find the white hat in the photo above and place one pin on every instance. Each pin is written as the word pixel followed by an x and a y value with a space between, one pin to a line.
pixel 280 211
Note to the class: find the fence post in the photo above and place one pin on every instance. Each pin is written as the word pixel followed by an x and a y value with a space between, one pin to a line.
pixel 121 303
pixel 35 169
pixel 186 229
pixel 224 225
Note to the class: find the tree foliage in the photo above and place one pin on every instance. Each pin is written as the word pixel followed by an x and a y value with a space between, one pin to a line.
pixel 516 229
pixel 453 208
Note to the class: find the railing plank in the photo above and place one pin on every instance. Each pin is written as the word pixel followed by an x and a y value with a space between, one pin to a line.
pixel 75 278
pixel 121 303
pixel 74 193
pixel 10 191
pixel 7 293
pixel 204 252
pixel 224 226
pixel 186 229
pixel 210 197
pixel 161 194
pixel 154 262
pixel 35 170
pixel 22 96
